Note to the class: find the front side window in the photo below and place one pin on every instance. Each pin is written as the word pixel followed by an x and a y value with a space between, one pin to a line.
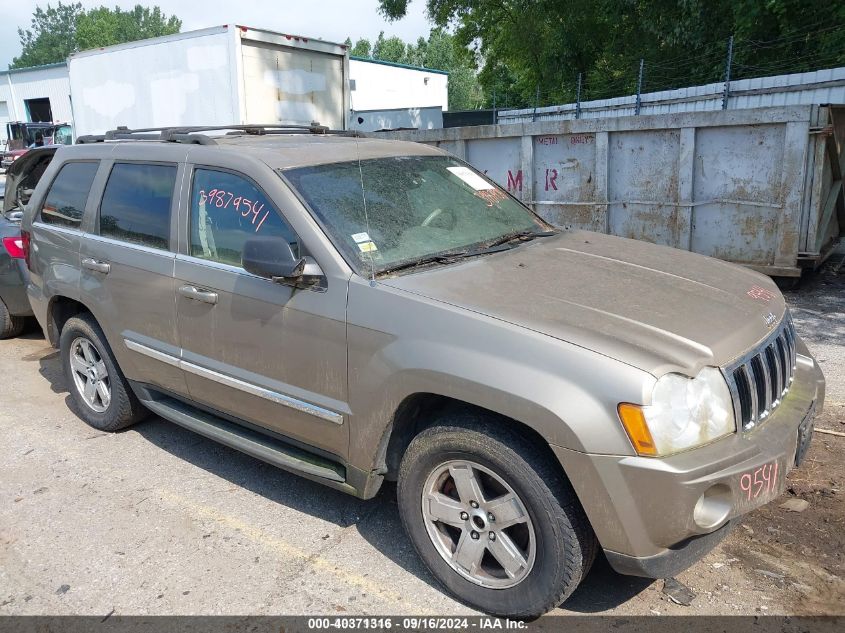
pixel 65 202
pixel 383 212
pixel 226 210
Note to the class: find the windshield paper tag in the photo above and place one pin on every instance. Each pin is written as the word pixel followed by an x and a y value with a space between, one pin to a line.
pixel 367 247
pixel 471 178
pixel 361 237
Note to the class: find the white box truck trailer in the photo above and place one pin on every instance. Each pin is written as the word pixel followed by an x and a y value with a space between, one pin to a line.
pixel 217 76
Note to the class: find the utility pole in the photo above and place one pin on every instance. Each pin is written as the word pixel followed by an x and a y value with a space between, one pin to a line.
pixel 578 98
pixel 728 63
pixel 639 87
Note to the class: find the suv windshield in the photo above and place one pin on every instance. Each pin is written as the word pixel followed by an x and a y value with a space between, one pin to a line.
pixel 418 207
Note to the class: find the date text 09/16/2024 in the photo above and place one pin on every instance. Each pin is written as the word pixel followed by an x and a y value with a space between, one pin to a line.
pixel 482 623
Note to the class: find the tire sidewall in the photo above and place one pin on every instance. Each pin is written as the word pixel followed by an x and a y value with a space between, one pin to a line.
pixel 527 599
pixel 108 420
pixel 9 325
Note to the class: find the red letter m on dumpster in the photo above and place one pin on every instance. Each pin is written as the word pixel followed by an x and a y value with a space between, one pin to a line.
pixel 515 184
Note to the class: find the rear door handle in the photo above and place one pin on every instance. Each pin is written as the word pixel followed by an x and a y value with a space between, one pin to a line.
pixel 197 294
pixel 96 266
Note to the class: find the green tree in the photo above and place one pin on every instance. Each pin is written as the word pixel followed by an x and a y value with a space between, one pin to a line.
pixel 390 49
pixel 523 45
pixel 51 36
pixel 361 48
pixel 441 52
pixel 104 27
pixel 56 32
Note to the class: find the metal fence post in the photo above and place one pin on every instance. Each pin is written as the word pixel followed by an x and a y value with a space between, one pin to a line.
pixel 494 107
pixel 578 98
pixel 536 102
pixel 727 92
pixel 639 87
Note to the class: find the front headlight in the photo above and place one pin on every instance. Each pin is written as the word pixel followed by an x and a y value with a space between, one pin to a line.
pixel 684 413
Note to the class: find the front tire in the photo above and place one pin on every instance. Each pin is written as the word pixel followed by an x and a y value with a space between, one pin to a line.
pixel 100 392
pixel 493 518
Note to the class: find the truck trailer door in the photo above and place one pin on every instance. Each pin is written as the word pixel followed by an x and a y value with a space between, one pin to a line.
pixel 292 85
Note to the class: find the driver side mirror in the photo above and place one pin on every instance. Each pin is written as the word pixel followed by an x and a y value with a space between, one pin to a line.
pixel 272 258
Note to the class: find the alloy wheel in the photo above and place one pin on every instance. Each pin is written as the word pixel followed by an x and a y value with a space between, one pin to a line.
pixel 478 524
pixel 90 374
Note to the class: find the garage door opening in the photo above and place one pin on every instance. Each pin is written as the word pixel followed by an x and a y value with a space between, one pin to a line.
pixel 39 110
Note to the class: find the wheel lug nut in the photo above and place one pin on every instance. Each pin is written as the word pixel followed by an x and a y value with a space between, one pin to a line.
pixel 474 535
pixel 464 516
pixel 474 504
pixel 492 536
pixel 490 516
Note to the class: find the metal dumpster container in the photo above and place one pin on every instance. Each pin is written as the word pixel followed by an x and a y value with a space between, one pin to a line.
pixel 760 187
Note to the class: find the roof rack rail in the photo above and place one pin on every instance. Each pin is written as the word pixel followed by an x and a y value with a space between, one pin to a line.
pixel 194 134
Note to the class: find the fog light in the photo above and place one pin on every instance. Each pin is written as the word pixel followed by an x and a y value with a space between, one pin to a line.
pixel 713 507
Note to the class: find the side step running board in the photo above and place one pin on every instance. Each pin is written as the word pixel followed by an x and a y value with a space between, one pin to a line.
pixel 246 440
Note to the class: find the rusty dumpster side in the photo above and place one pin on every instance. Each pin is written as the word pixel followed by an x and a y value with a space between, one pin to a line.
pixel 760 187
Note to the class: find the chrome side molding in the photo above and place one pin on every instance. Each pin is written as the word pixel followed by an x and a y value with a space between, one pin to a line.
pixel 236 383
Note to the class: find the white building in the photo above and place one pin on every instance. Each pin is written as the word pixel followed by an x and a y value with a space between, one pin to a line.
pixel 41 93
pixel 387 95
pixel 380 85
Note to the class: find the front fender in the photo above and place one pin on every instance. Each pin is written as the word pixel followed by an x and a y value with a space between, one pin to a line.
pixel 402 344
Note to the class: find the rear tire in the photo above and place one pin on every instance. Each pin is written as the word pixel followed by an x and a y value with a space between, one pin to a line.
pixel 10 325
pixel 100 392
pixel 504 465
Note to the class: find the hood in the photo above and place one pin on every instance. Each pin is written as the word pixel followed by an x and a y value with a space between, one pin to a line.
pixel 657 308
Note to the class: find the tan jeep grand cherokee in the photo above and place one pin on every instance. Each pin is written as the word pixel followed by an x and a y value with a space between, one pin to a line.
pixel 355 310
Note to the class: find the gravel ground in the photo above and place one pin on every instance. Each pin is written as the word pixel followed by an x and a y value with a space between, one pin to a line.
pixel 157 520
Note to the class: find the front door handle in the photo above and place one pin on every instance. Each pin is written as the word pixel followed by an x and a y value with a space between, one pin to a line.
pixel 96 266
pixel 197 294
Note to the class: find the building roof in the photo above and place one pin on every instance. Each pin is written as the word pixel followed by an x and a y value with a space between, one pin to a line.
pixel 28 69
pixel 397 65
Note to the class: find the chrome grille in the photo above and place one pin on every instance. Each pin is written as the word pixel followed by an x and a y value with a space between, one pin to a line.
pixel 761 379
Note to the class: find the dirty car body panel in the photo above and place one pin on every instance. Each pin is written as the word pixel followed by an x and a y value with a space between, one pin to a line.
pixel 550 333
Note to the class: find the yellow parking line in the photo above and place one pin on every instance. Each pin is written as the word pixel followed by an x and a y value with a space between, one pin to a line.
pixel 252 532
pixel 262 537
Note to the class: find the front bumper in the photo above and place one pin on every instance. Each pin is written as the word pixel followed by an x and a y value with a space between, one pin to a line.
pixel 655 517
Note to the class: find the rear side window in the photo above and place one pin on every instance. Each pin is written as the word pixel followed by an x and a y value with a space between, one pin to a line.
pixel 136 204
pixel 65 202
pixel 226 210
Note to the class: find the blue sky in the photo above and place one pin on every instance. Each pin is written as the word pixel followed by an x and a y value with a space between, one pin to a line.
pixel 327 19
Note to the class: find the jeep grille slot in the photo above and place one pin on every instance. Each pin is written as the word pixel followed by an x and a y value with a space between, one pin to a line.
pixel 761 379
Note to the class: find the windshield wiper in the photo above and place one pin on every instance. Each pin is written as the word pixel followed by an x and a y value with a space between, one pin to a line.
pixel 440 258
pixel 504 243
pixel 521 236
